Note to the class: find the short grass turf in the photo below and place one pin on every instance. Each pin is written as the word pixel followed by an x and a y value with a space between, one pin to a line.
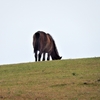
pixel 73 79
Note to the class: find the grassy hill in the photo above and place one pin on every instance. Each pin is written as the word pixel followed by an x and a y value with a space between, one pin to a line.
pixel 75 79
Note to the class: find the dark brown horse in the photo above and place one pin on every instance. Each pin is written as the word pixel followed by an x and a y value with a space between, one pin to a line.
pixel 44 43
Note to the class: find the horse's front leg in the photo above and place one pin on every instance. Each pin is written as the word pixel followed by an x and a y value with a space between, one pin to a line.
pixel 43 57
pixel 48 56
pixel 39 56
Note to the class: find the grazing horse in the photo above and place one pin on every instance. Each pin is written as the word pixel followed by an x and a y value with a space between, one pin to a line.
pixel 44 43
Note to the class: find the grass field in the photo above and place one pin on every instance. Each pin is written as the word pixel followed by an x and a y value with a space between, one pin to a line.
pixel 74 79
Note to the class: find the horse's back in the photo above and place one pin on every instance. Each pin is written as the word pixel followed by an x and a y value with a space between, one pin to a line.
pixel 42 42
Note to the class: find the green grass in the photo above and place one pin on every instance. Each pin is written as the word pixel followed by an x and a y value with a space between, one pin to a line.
pixel 74 79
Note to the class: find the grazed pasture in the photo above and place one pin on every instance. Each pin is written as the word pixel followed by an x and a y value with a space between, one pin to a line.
pixel 73 79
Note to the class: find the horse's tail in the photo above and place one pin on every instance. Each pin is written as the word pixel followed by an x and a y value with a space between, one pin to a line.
pixel 36 41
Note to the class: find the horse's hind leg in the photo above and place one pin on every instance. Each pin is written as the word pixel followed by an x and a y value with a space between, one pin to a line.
pixel 35 55
pixel 39 56
pixel 43 57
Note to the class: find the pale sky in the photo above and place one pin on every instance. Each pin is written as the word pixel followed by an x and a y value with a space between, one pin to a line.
pixel 74 25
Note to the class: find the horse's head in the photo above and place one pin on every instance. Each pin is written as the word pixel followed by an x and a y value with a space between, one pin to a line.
pixel 60 57
pixel 56 57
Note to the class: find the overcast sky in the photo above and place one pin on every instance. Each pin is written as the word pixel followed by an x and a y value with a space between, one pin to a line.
pixel 74 25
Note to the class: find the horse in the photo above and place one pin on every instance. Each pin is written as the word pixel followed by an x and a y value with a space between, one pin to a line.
pixel 44 43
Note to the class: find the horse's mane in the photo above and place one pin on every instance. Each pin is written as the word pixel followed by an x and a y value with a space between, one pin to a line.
pixel 55 48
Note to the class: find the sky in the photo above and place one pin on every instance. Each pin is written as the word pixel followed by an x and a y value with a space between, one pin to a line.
pixel 74 25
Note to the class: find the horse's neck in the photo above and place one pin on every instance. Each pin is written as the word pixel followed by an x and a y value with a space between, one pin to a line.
pixel 54 55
